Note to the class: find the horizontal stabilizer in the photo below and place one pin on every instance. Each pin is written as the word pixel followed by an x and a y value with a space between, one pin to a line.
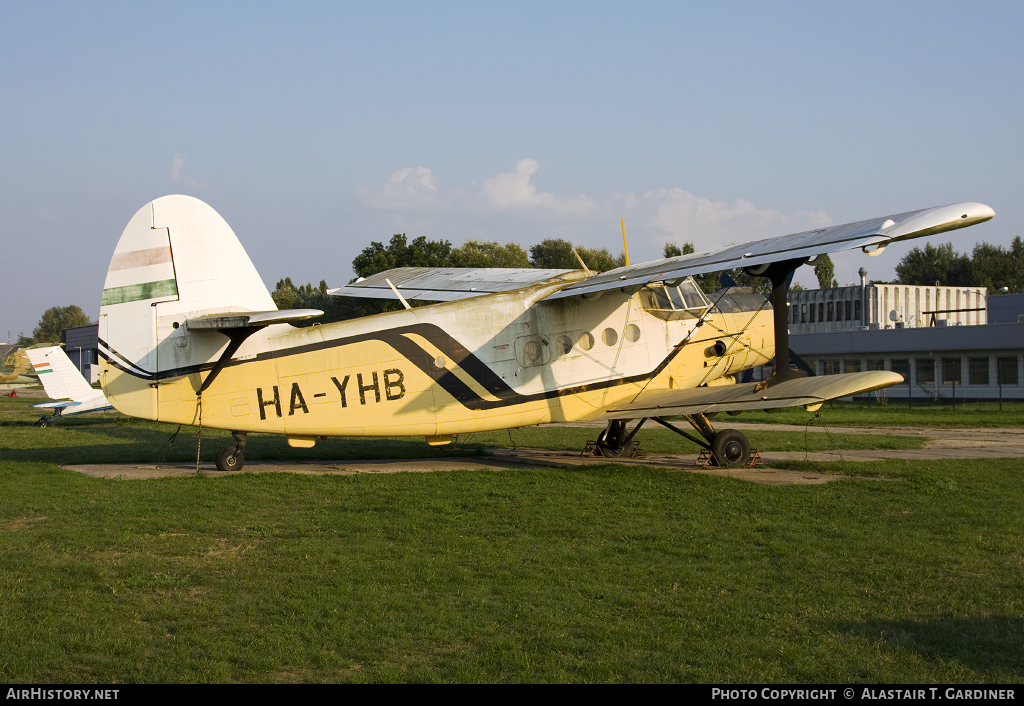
pixel 871 235
pixel 56 405
pixel 249 319
pixel 445 284
pixel 738 398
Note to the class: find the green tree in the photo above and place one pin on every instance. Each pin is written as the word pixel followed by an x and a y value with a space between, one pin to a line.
pixel 825 271
pixel 995 267
pixel 53 321
pixel 475 253
pixel 556 254
pixel 401 253
pixel 935 264
pixel 673 250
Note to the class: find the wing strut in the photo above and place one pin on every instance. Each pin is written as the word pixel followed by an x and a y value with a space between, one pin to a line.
pixel 780 274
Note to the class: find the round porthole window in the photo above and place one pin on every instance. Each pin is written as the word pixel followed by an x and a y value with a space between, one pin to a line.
pixel 532 351
pixel 609 336
pixel 563 346
pixel 586 340
pixel 632 333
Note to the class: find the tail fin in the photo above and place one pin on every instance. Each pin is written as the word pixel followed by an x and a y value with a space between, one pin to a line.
pixel 60 378
pixel 176 259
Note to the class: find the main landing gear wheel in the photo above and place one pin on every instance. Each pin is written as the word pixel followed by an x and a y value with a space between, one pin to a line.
pixel 230 459
pixel 613 441
pixel 731 448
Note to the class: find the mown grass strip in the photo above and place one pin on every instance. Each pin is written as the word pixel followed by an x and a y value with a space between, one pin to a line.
pixel 603 574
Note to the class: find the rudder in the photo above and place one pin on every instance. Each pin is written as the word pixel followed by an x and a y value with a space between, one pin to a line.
pixel 176 259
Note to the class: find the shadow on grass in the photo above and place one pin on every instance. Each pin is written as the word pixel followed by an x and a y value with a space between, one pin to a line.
pixel 132 441
pixel 985 644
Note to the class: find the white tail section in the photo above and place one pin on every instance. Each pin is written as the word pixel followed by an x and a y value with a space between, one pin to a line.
pixel 60 378
pixel 176 259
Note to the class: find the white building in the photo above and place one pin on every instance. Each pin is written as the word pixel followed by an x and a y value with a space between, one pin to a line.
pixel 885 306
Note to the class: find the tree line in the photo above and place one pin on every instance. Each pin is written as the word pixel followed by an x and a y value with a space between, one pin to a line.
pixel 991 266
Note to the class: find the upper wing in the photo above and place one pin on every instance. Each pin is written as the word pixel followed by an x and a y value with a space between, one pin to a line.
pixel 872 236
pixel 445 284
pixel 736 398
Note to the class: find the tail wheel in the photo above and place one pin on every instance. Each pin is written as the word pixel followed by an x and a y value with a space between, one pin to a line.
pixel 731 448
pixel 230 459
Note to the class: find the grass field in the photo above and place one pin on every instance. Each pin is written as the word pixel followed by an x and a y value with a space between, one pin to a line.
pixel 911 573
pixel 895 413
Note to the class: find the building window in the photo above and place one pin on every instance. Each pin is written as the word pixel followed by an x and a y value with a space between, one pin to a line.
pixel 978 369
pixel 950 371
pixel 821 311
pixel 849 311
pixel 831 367
pixel 875 364
pixel 901 366
pixel 853 366
pixel 803 313
pixel 856 309
pixel 1007 371
pixel 831 311
pixel 925 370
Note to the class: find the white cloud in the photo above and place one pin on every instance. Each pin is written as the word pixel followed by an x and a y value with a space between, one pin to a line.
pixel 515 190
pixel 653 218
pixel 409 187
pixel 682 217
pixel 176 175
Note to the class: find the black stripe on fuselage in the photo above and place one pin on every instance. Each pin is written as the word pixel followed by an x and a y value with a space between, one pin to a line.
pixel 416 355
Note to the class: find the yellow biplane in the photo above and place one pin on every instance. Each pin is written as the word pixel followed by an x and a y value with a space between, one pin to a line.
pixel 190 335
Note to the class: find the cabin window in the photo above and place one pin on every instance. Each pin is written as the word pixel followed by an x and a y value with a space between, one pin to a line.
pixel 632 333
pixel 609 337
pixel 586 340
pixel 532 350
pixel 563 346
pixel 684 301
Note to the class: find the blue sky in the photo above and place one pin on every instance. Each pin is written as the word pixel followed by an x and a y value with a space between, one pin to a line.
pixel 315 129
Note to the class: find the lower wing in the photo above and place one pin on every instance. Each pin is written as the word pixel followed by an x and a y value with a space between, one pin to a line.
pixel 800 392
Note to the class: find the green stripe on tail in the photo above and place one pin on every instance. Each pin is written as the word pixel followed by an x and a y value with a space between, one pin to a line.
pixel 138 292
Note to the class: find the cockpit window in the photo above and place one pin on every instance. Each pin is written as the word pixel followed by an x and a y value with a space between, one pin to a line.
pixel 682 301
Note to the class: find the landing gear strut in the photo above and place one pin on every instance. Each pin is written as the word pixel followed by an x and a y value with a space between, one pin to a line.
pixel 614 442
pixel 728 447
pixel 232 458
